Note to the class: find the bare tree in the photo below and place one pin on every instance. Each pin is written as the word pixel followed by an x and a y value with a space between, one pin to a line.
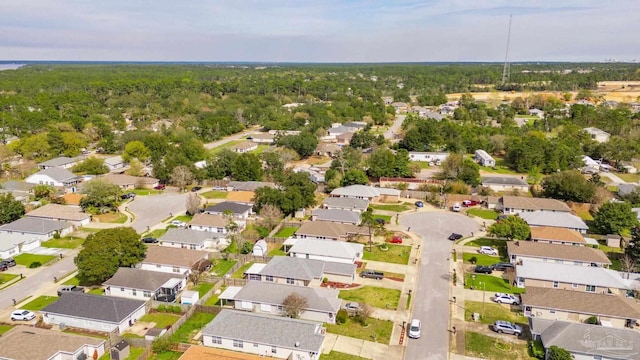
pixel 194 276
pixel 294 304
pixel 365 313
pixel 192 203
pixel 628 264
pixel 251 235
pixel 271 216
pixel 181 176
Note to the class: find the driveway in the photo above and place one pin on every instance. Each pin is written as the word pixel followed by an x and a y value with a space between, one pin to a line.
pixel 432 294
pixel 393 129
pixel 152 209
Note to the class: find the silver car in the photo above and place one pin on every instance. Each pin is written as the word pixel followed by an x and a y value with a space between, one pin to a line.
pixel 506 327
pixel 415 328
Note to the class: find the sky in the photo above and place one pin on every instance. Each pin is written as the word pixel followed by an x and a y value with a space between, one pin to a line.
pixel 319 30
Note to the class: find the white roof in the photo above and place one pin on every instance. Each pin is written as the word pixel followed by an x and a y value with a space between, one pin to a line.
pixel 596 131
pixel 364 191
pixel 336 249
pixel 230 293
pixel 589 161
pixel 255 268
pixel 572 274
pixel 553 219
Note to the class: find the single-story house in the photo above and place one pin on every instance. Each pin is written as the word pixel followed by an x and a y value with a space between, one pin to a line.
pixel 410 183
pixel 400 107
pixel 28 233
pixel 344 138
pixel 199 352
pixel 555 219
pixel 175 261
pixel 590 279
pixel 18 186
pixel 512 205
pixel 245 147
pixel 265 298
pixel 525 251
pixel 484 159
pixel 61 162
pixel 337 130
pixel 191 239
pixel 260 334
pixel 263 138
pixel 212 223
pixel 435 157
pixel 368 193
pixel 142 284
pixel 345 203
pixel 557 235
pixel 248 185
pixel 555 304
pixel 115 162
pixel 327 149
pixel 586 341
pixel 68 213
pixel 327 230
pixel 505 183
pixel 336 215
pixel 128 182
pixel 94 312
pixel 598 135
pixel 331 251
pixel 54 176
pixel 241 211
pixel 28 343
pixel 301 271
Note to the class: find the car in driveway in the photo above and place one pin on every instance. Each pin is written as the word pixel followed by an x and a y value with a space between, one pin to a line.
pixel 419 204
pixel 415 328
pixel 488 250
pixel 22 315
pixel 128 196
pixel 196 188
pixel 506 327
pixel 380 221
pixel 370 274
pixel 160 187
pixel 69 288
pixel 456 207
pixel 3 267
pixel 149 240
pixel 502 298
pixel 468 203
pixel 454 236
pixel 480 269
pixel 502 266
pixel 396 239
pixel 178 223
pixel 352 307
pixel 9 262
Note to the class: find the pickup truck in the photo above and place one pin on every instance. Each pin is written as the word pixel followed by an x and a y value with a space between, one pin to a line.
pixel 70 288
pixel 372 274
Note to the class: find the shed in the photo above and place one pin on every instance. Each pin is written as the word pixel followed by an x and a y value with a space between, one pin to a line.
pixel 260 248
pixel 154 333
pixel 120 351
pixel 189 297
pixel 614 241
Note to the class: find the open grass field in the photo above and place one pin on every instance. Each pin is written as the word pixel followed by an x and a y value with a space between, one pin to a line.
pixel 191 327
pixel 396 254
pixel 376 330
pixel 27 259
pixel 161 320
pixel 375 296
pixel 286 232
pixel 492 312
pixel 112 217
pixel 39 303
pixel 67 242
pixel 488 347
pixel 214 195
pixel 222 266
pixel 483 213
pixel 490 283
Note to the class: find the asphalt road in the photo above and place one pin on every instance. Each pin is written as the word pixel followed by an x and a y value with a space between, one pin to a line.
pixel 432 295
pixel 227 139
pixel 393 129
pixel 150 210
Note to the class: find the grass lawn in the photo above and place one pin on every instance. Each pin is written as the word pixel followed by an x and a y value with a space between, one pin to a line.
pixel 7 277
pixel 608 249
pixel 185 218
pixel 352 328
pixel 334 355
pixel 396 254
pixel 167 355
pixel 26 259
pixel 213 301
pixel 279 251
pixel 629 177
pixel 481 259
pixel 487 242
pixel 191 327
pixel 39 303
pixel 203 288
pixel 157 233
pixel 492 312
pixel 483 213
pixel 5 328
pixel 73 281
pixel 375 296
pixel 146 192
pixel 487 347
pixel 391 207
pixel 232 248
pixel 162 320
pixel 97 291
pixel 228 145
pixel 386 218
pixel 585 215
pixel 491 284
pixel 285 232
pixel 214 195
pixel 239 274
pixel 112 217
pixel 67 242
pixel 221 266
pixel 128 335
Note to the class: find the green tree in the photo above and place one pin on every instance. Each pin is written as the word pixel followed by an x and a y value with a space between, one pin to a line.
pixel 100 194
pixel 107 250
pixel 614 218
pixel 246 167
pixel 632 250
pixel 557 353
pixel 304 144
pixel 355 177
pixel 381 162
pixel 457 167
pixel 136 150
pixel 10 208
pixel 92 165
pixel 511 227
pixel 43 191
pixel 568 186
pixel 401 164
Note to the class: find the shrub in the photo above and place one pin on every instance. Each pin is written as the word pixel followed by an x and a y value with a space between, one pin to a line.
pixel 56 235
pixel 473 259
pixel 342 316
pixel 325 280
pixel 536 349
pixel 176 309
pixel 593 320
pixel 162 344
pixel 162 308
pixel 247 248
pixel 35 264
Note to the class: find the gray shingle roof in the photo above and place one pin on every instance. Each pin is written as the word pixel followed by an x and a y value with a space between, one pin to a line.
pixel 346 203
pixel 534 204
pixel 553 219
pixel 270 330
pixel 188 236
pixel 556 251
pixel 503 180
pixel 94 307
pixel 18 343
pixel 140 279
pixel 318 299
pixel 237 208
pixel 571 274
pixel 293 267
pixel 330 230
pixel 14 185
pixel 59 161
pixel 34 225
pixel 337 268
pixel 57 173
pixel 336 215
pixel 336 249
pixel 249 185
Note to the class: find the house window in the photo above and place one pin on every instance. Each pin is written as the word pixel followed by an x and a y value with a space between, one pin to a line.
pixel 238 343
pixel 555 284
pixel 552 311
pixel 220 230
pixel 577 263
pixel 158 266
pixel 216 340
pixel 268 278
pixel 254 277
pixel 590 288
pixel 147 294
pixel 290 281
pixel 274 350
pixel 575 286
pixel 255 344
pixel 133 292
pixel 176 269
pixel 122 289
pixel 192 247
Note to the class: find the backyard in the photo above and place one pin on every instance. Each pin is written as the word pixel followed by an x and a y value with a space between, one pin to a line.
pixel 161 320
pixel 191 327
pixel 222 266
pixel 203 288
pixel 213 301
pixel 39 303
pixel 488 347
pixel 28 259
pixel 375 296
pixel 376 330
pixel 286 232
pixel 490 283
pixel 277 251
pixel 396 254
pixel 67 242
pixel 483 213
pixel 134 353
pixel 492 312
pixel 239 274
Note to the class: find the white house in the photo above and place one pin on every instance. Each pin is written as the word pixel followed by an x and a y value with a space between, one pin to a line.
pixel 345 203
pixel 555 219
pixel 326 250
pixel 115 163
pixel 54 176
pixel 336 215
pixel 367 193
pixel 505 183
pixel 265 335
pixel 241 211
pixel 536 112
pixel 174 261
pixel 213 223
pixel 94 312
pixel 245 147
pixel 28 233
pixel 540 252
pixel 141 284
pixel 484 159
pixel 597 134
pixel 47 344
pixel 301 271
pixel 512 205
pixel 430 157
pixel 191 239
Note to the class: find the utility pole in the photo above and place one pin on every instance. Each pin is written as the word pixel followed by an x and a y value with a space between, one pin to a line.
pixel 506 71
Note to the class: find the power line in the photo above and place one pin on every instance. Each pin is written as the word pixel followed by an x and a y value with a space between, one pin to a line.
pixel 506 71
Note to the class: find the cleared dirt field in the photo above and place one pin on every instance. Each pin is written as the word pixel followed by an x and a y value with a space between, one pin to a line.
pixel 628 94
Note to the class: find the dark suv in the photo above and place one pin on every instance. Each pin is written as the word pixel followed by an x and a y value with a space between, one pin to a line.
pixel 9 262
pixel 502 266
pixel 482 269
pixel 454 237
pixel 149 240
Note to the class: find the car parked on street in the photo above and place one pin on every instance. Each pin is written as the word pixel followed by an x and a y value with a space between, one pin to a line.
pixel 488 250
pixel 502 298
pixel 454 236
pixel 482 269
pixel 456 207
pixel 501 326
pixel 372 274
pixel 396 239
pixel 149 240
pixel 419 204
pixel 128 196
pixel 415 328
pixel 160 187
pixel 502 266
pixel 196 188
pixel 22 315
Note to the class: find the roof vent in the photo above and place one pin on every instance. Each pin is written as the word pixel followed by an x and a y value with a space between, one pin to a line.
pixel 297 344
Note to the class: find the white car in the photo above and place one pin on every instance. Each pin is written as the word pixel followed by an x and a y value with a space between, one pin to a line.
pixel 501 298
pixel 22 315
pixel 488 250
pixel 456 207
pixel 178 223
pixel 414 329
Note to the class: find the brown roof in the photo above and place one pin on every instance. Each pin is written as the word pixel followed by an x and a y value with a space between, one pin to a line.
pixel 557 251
pixel 241 196
pixel 196 352
pixel 57 211
pixel 165 255
pixel 128 180
pixel 527 203
pixel 330 229
pixel 245 145
pixel 27 343
pixel 73 198
pixel 208 220
pixel 556 234
pixel 581 302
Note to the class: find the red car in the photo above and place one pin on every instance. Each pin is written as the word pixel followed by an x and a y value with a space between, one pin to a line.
pixel 396 239
pixel 468 203
pixel 159 187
